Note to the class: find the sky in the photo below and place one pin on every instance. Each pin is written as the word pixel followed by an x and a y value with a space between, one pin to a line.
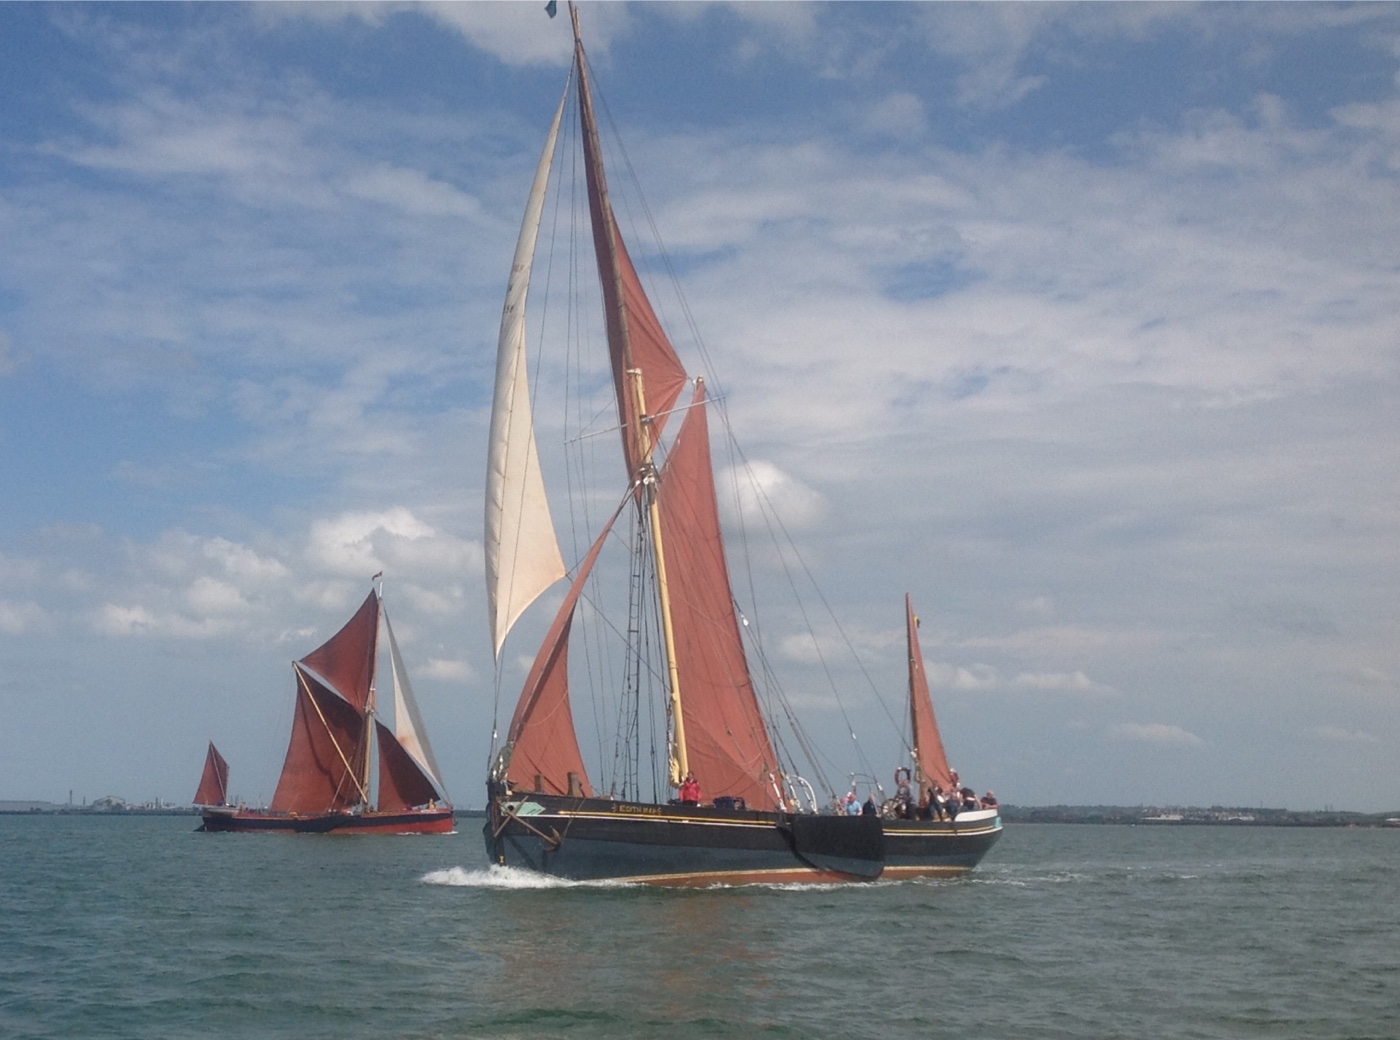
pixel 1078 323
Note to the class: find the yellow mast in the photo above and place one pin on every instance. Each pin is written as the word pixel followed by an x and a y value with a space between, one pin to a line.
pixel 680 765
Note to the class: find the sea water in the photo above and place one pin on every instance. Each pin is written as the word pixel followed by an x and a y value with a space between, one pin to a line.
pixel 142 928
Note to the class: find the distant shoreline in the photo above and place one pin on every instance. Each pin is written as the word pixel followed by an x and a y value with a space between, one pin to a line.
pixel 1145 815
pixel 114 807
pixel 1191 816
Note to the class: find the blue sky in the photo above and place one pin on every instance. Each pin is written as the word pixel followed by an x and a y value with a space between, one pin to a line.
pixel 1075 322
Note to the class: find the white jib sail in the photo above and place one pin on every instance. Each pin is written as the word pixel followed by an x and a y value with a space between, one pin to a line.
pixel 408 724
pixel 522 550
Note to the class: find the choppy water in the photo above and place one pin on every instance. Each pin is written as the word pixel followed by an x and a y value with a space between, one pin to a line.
pixel 141 928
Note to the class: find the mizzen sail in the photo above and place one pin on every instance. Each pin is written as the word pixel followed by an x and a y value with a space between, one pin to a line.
pixel 929 757
pixel 213 784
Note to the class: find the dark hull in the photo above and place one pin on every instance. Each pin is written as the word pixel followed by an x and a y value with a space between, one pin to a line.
pixel 413 821
pixel 588 839
pixel 939 848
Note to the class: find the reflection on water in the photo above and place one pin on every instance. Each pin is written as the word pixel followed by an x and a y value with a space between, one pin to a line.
pixel 682 955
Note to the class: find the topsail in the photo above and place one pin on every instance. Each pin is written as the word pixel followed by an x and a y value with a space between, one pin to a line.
pixel 522 551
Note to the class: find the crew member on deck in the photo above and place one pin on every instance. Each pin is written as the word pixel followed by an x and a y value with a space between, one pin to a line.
pixel 690 790
pixel 903 793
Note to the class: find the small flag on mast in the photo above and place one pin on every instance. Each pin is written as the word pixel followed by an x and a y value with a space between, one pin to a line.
pixel 552 8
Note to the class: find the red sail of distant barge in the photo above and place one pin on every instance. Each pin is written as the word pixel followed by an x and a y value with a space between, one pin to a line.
pixel 327 778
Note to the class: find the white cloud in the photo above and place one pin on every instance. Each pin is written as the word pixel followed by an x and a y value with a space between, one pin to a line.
pixel 962 677
pixel 899 115
pixel 454 670
pixel 412 192
pixel 1039 606
pixel 113 619
pixel 1059 682
pixel 1154 733
pixel 764 491
pixel 352 543
pixel 210 596
pixel 17 619
pixel 1338 735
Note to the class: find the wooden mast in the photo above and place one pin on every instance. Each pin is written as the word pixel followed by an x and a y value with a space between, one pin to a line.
pixel 680 764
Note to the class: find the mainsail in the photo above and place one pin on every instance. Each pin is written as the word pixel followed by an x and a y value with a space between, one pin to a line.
pixel 522 552
pixel 930 759
pixel 213 783
pixel 726 740
pixel 321 772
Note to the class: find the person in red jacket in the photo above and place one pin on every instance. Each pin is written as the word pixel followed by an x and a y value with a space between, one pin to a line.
pixel 690 790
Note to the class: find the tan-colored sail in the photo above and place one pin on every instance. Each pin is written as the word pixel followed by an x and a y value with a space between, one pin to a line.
pixel 409 731
pixel 521 548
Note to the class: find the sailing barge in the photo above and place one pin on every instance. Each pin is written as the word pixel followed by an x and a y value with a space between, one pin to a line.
pixel 543 812
pixel 328 784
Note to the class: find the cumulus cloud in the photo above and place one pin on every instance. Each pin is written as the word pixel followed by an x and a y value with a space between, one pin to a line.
pixel 17 619
pixel 963 677
pixel 135 621
pixel 1338 735
pixel 764 490
pixel 899 115
pixel 354 543
pixel 439 668
pixel 1154 733
pixel 986 677
pixel 1059 682
pixel 212 596
pixel 412 192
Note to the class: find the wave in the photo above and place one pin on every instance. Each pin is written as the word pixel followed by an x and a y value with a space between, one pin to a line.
pixel 508 878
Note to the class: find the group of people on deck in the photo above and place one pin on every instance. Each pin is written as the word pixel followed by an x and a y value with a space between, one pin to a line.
pixel 935 804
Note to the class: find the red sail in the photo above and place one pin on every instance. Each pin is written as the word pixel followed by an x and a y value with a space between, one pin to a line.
pixel 402 782
pixel 727 745
pixel 346 660
pixel 323 756
pixel 636 340
pixel 544 745
pixel 213 785
pixel 929 757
